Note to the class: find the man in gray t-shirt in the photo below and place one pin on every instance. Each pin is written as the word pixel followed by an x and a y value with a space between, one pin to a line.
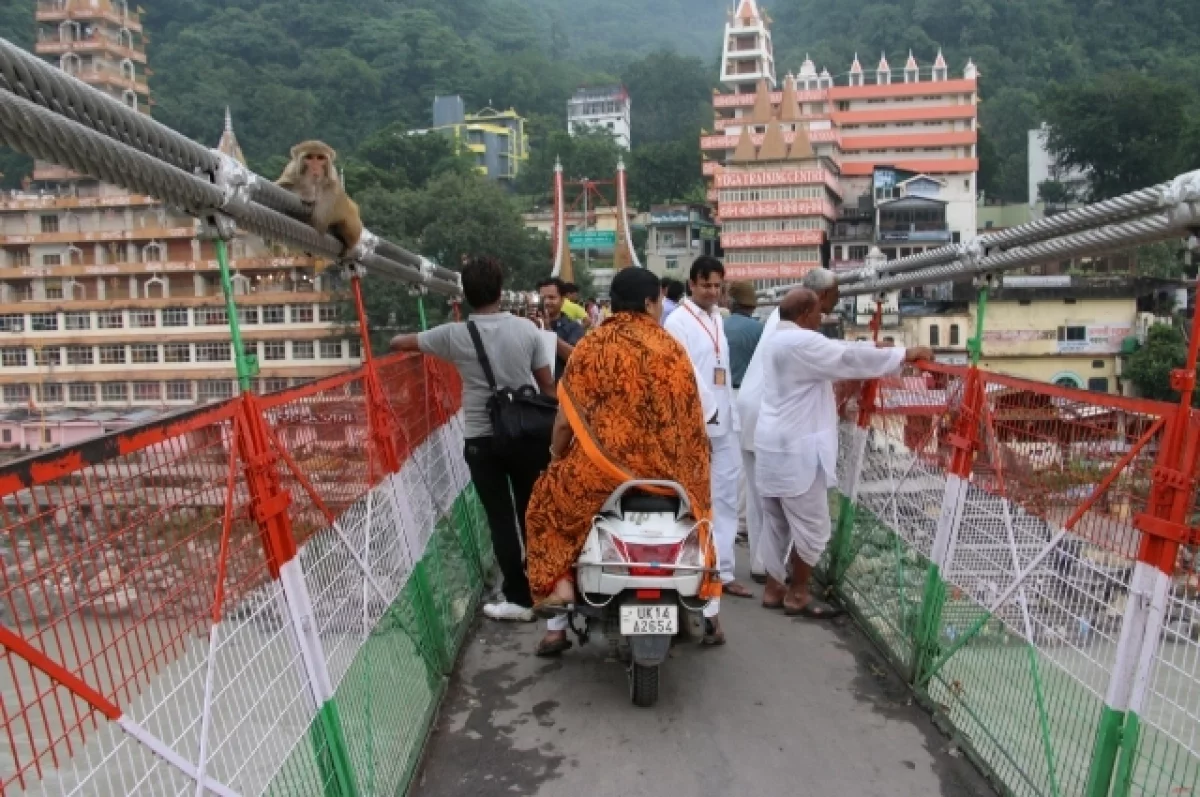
pixel 503 478
pixel 514 349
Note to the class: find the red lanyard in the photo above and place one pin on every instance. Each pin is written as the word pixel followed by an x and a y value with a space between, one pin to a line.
pixel 713 335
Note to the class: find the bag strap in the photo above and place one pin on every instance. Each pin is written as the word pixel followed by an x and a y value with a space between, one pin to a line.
pixel 482 355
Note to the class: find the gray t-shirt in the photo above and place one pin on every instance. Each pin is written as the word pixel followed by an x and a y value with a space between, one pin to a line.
pixel 513 347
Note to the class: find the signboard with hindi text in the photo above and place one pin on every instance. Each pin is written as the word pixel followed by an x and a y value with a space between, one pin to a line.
pixel 592 239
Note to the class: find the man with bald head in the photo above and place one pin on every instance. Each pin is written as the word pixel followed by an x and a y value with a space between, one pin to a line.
pixel 796 442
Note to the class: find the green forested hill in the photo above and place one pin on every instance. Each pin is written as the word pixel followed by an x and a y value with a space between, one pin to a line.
pixel 340 69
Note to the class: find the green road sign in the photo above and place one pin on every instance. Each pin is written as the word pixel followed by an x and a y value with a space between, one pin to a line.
pixel 592 239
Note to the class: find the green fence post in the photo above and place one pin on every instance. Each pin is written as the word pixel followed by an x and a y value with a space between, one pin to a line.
pixel 246 366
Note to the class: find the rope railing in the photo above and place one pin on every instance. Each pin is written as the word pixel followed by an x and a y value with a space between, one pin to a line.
pixel 1169 210
pixel 48 114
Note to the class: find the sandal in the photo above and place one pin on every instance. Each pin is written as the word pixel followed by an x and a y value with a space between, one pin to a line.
pixel 551 607
pixel 551 649
pixel 814 610
pixel 736 590
pixel 713 636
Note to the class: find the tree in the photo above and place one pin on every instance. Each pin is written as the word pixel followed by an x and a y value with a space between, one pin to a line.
pixel 1054 193
pixel 1125 129
pixel 672 97
pixel 1150 367
pixel 668 172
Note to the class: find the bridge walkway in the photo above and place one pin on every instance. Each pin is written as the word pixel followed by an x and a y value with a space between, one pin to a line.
pixel 788 707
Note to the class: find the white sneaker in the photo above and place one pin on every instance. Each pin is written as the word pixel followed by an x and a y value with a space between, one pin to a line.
pixel 508 612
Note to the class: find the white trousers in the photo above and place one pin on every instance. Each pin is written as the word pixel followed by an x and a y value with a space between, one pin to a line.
pixel 753 511
pixel 726 467
pixel 799 520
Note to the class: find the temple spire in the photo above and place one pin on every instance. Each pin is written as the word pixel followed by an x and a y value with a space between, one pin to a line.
pixel 228 145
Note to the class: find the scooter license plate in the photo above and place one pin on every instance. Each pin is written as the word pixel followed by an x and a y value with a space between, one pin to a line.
pixel 649 620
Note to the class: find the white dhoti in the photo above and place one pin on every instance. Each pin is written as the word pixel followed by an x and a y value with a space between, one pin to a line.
pixel 800 521
pixel 726 466
pixel 752 512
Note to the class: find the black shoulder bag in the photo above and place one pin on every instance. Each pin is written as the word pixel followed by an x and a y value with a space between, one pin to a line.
pixel 519 416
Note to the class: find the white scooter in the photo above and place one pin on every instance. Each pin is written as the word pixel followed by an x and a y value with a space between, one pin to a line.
pixel 638 575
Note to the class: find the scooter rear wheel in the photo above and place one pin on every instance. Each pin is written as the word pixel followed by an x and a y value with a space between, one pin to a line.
pixel 643 685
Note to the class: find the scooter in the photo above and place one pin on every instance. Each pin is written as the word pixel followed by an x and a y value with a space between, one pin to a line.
pixel 638 578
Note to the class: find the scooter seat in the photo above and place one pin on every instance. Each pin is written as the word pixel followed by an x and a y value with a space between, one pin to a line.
pixel 646 502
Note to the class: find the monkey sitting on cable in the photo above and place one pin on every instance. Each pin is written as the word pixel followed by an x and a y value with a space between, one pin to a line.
pixel 310 174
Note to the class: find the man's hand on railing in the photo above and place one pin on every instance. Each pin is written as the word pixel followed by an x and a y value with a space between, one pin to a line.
pixel 917 353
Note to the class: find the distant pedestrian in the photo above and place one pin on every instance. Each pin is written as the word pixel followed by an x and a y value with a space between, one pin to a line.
pixel 503 478
pixel 571 306
pixel 673 296
pixel 569 332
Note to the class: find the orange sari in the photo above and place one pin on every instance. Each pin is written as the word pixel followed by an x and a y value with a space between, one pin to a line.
pixel 630 395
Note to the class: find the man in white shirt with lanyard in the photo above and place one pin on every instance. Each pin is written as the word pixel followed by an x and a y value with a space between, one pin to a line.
pixel 698 325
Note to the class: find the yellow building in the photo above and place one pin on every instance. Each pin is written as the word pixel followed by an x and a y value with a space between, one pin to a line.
pixel 496 139
pixel 1064 330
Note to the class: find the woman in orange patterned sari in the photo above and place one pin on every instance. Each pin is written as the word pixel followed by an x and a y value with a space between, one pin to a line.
pixel 629 409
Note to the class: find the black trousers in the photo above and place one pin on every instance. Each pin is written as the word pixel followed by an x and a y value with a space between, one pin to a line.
pixel 504 480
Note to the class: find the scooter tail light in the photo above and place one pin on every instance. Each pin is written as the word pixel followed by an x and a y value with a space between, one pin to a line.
pixel 654 556
pixel 690 553
pixel 612 550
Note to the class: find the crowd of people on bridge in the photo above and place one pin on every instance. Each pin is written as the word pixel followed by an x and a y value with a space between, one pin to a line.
pixel 685 385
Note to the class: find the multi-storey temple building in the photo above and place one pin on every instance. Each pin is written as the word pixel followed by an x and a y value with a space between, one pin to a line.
pixel 111 300
pixel 899 148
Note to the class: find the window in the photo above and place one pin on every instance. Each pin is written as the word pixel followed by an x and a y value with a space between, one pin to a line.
pixel 51 355
pixel 147 391
pixel 274 385
pixel 15 394
pixel 302 314
pixel 1097 363
pixel 1099 384
pixel 302 350
pixel 355 349
pixel 12 322
pixel 248 315
pixel 77 321
pixel 215 389
pixel 329 313
pixel 8 435
pixel 211 316
pixel 179 391
pixel 177 352
pixel 114 391
pixel 112 354
pixel 51 393
pixel 935 335
pixel 274 314
pixel 954 334
pixel 47 436
pixel 81 391
pixel 672 263
pixel 143 319
pixel 14 357
pixel 274 350
pixel 213 353
pixel 1066 334
pixel 19 257
pixel 44 322
pixel 144 352
pixel 331 350
pixel 111 319
pixel 81 355
pixel 54 288
pixel 175 317
pixel 49 224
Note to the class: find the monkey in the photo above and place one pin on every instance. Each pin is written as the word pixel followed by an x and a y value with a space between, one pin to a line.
pixel 310 174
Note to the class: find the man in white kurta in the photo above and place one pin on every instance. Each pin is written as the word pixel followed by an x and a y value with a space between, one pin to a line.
pixel 796 443
pixel 749 398
pixel 698 325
